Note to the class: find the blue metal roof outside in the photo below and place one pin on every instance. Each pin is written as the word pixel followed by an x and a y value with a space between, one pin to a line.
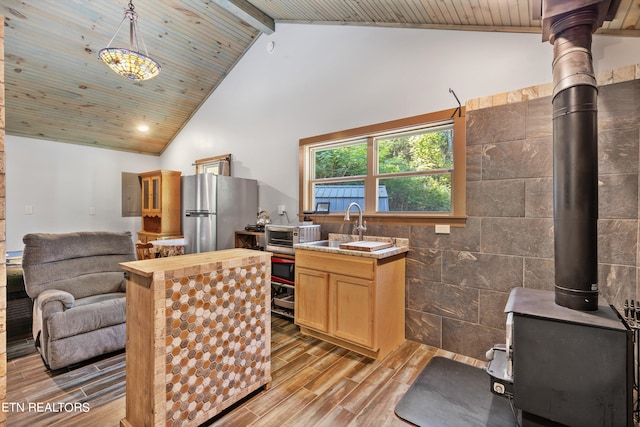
pixel 339 196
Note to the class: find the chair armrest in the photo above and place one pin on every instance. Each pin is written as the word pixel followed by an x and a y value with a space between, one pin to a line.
pixel 65 300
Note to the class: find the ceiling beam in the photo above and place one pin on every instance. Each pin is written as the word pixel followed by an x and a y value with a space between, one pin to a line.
pixel 249 13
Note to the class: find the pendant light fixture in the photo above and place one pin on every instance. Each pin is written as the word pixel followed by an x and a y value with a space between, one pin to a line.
pixel 130 63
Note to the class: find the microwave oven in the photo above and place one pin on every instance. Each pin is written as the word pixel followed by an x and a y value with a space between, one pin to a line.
pixel 283 270
pixel 281 238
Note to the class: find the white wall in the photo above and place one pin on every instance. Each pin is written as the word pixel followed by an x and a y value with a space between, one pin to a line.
pixel 319 79
pixel 61 182
pixel 322 79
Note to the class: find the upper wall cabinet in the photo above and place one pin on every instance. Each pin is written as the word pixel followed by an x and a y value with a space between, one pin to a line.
pixel 160 205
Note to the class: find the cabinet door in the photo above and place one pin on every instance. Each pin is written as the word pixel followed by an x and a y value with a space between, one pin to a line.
pixel 146 194
pixel 352 309
pixel 156 194
pixel 312 299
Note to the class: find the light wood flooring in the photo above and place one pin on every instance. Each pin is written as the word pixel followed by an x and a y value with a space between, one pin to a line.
pixel 314 384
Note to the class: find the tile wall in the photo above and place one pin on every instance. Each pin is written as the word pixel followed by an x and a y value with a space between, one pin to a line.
pixel 457 284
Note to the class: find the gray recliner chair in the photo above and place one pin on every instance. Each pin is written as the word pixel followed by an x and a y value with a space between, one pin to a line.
pixel 78 292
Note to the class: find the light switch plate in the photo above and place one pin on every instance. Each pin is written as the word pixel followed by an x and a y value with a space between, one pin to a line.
pixel 443 229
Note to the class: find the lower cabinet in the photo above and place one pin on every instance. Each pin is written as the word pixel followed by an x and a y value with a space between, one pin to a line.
pixel 354 302
pixel 353 307
pixel 312 299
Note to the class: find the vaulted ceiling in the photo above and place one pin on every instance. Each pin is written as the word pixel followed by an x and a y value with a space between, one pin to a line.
pixel 57 89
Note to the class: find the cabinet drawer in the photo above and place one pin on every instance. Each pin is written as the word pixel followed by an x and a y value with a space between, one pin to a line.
pixel 353 266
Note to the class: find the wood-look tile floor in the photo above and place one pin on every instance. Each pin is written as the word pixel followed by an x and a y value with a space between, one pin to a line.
pixel 314 384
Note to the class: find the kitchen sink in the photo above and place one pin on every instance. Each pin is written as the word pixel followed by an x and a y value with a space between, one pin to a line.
pixel 374 246
pixel 356 245
pixel 325 243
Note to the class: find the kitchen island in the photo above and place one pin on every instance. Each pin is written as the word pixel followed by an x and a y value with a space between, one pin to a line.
pixel 198 335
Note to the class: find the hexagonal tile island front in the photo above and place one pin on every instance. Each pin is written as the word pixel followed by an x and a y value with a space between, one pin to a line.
pixel 207 319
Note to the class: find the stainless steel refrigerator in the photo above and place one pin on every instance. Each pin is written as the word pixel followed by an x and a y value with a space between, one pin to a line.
pixel 213 208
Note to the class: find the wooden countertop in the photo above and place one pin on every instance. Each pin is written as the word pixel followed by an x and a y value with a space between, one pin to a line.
pixel 147 267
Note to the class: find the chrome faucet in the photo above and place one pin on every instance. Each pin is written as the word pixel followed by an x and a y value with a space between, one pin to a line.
pixel 360 226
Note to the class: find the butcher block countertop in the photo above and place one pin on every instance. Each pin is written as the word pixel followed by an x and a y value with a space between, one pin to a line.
pixel 147 267
pixel 378 247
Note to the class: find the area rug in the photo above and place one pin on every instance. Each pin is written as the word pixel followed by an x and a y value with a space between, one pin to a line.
pixel 453 394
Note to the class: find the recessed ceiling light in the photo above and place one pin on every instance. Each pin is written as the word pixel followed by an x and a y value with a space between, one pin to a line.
pixel 143 128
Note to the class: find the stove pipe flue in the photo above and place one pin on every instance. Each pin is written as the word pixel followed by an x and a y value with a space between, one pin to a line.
pixel 568 25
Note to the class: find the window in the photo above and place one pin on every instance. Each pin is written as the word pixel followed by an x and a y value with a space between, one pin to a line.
pixel 415 169
pixel 218 165
pixel 408 168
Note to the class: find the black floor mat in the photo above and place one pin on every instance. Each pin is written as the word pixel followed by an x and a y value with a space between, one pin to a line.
pixel 452 394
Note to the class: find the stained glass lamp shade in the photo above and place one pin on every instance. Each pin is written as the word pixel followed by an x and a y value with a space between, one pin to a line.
pixel 130 63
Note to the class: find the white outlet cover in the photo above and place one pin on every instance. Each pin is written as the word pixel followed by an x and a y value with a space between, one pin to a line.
pixel 443 229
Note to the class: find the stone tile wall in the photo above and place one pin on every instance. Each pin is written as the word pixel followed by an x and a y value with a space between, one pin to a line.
pixel 457 284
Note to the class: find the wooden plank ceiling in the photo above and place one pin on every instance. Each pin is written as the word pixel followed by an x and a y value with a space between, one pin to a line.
pixel 57 88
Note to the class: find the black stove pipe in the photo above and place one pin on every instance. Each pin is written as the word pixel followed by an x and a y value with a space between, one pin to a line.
pixel 575 161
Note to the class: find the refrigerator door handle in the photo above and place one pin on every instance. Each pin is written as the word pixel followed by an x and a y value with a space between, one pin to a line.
pixel 198 213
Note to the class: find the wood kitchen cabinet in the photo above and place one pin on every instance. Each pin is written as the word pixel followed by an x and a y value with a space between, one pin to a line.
pixel 312 299
pixel 151 193
pixel 355 302
pixel 160 205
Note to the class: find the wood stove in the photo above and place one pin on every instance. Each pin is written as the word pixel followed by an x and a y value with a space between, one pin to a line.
pixel 570 367
pixel 568 360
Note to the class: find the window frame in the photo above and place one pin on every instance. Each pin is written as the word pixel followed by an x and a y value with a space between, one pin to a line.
pixel 218 165
pixel 370 133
